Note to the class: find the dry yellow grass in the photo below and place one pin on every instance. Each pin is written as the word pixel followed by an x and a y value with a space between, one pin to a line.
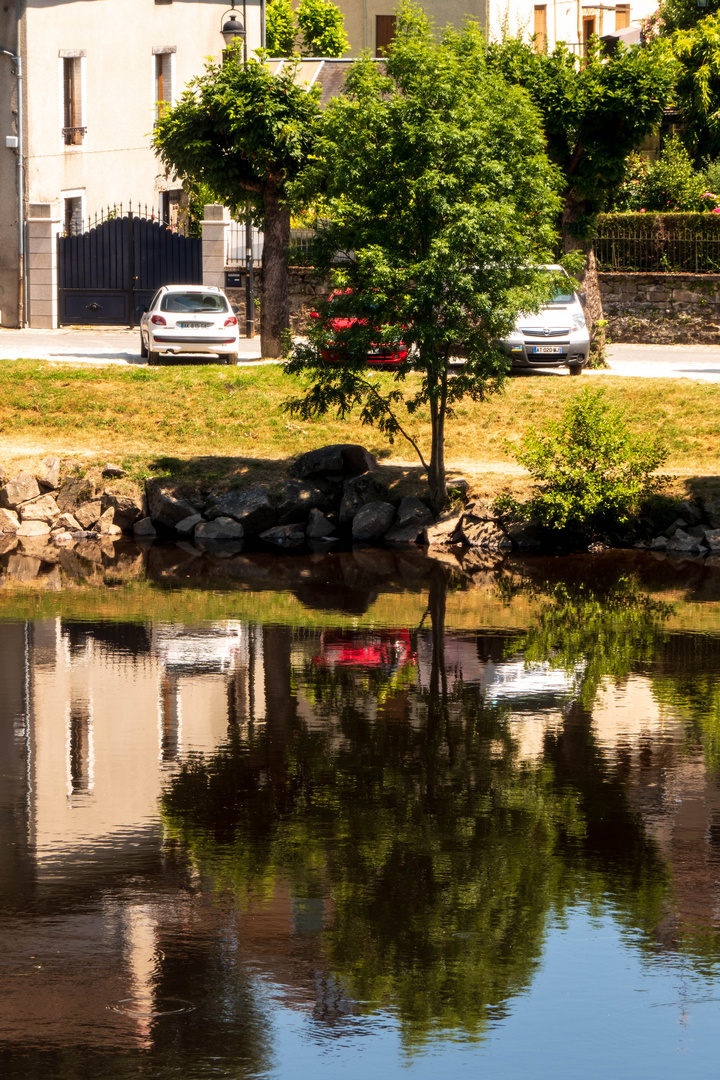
pixel 219 423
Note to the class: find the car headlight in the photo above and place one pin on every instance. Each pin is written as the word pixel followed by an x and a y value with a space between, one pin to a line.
pixel 577 322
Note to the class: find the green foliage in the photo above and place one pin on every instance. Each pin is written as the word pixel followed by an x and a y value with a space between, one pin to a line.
pixel 669 184
pixel 237 128
pixel 435 177
pixel 711 169
pixel 593 115
pixel 697 88
pixel 591 473
pixel 280 28
pixel 319 22
pixel 675 15
pixel 322 27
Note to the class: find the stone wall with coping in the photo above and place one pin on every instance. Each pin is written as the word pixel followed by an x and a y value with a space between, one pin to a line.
pixel 305 292
pixel 662 309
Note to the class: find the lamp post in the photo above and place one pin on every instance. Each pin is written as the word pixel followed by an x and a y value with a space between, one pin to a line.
pixel 17 142
pixel 231 29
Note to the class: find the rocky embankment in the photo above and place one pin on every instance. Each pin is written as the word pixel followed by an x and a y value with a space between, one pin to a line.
pixel 336 496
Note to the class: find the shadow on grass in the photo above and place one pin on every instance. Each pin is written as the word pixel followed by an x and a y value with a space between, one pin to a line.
pixel 242 472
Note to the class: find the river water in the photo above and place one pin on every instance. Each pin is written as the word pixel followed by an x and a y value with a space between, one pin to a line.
pixel 362 814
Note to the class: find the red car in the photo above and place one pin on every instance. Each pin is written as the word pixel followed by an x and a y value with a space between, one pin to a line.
pixel 377 354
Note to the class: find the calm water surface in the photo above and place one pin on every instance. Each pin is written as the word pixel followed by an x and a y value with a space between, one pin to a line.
pixel 360 815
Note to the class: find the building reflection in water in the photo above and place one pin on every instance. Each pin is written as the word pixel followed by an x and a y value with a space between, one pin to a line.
pixel 96 718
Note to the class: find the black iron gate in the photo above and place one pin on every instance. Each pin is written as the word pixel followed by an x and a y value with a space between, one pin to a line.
pixel 107 274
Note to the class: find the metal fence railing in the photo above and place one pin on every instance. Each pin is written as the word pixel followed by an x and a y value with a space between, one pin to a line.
pixel 236 244
pixel 658 245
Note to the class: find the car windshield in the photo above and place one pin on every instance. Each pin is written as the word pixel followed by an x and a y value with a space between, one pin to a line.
pixel 193 301
pixel 561 296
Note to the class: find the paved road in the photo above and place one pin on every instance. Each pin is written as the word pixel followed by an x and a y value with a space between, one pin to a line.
pixel 96 346
pixel 93 346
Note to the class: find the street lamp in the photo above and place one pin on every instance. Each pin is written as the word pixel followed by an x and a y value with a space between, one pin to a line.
pixel 234 27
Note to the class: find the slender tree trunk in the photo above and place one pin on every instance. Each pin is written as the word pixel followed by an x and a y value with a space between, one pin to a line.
pixel 275 308
pixel 436 472
pixel 574 208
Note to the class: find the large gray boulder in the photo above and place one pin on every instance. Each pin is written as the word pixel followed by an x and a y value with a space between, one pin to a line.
pixel 318 525
pixel 128 508
pixel 285 536
pixel 487 535
pixel 32 528
pixel 43 508
pixel 221 528
pixel 365 488
pixel 300 497
pixel 446 530
pixel 684 544
pixel 372 520
pixel 712 513
pixel 74 493
pixel 88 514
pixel 166 506
pixel 48 476
pixel 412 511
pixel 252 508
pixel 9 521
pixel 351 459
pixel 20 489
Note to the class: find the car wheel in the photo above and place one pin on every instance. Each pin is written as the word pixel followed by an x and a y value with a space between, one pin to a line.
pixel 575 369
pixel 143 347
pixel 232 358
pixel 154 358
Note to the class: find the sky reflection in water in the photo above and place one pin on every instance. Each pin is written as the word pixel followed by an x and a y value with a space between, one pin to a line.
pixel 481 839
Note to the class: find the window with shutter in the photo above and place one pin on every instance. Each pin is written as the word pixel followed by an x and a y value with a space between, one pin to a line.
pixel 540 27
pixel 622 16
pixel 73 130
pixel 384 33
pixel 163 83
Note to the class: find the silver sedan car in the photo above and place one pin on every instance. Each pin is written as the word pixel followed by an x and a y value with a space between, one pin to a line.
pixel 189 319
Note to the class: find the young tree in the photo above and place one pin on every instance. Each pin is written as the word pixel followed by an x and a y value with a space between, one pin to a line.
pixel 246 133
pixel 593 115
pixel 280 28
pixel 322 28
pixel 319 22
pixel 435 177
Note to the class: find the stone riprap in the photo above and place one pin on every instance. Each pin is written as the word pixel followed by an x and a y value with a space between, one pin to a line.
pixel 662 309
pixel 329 504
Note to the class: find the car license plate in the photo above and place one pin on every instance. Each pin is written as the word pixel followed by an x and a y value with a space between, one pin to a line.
pixel 547 350
pixel 194 325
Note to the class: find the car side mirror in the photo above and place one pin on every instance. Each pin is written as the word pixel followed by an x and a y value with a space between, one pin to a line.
pixel 235 308
pixel 583 298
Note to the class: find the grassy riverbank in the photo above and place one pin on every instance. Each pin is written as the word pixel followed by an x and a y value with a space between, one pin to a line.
pixel 213 423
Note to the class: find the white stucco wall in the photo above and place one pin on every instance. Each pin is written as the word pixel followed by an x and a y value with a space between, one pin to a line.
pixel 115 163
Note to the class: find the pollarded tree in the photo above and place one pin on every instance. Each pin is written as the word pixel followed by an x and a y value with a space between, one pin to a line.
pixel 435 177
pixel 245 133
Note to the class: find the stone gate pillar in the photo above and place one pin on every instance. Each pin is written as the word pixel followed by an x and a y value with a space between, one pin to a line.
pixel 214 225
pixel 42 283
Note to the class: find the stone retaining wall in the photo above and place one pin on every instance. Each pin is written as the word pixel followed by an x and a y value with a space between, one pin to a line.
pixel 662 309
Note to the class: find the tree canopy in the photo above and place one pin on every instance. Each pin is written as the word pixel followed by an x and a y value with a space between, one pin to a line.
pixel 245 133
pixel 320 25
pixel 435 181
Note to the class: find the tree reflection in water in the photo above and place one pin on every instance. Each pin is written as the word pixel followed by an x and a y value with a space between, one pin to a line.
pixel 439 854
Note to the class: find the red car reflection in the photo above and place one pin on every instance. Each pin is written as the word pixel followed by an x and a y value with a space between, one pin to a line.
pixel 377 354
pixel 387 650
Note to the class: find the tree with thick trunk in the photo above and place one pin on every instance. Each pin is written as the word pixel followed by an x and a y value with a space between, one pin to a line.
pixel 594 112
pixel 436 186
pixel 245 133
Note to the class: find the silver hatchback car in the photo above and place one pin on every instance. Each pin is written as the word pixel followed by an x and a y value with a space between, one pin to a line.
pixel 556 336
pixel 189 319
